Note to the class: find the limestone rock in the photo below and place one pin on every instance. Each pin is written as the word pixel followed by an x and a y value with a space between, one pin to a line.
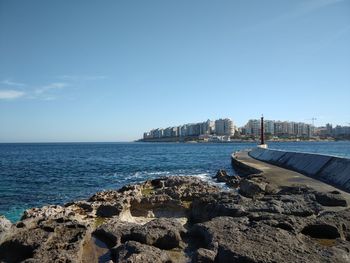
pixel 252 189
pixel 49 241
pixel 141 223
pixel 5 226
pixel 331 199
pixel 113 231
pixel 203 255
pixel 222 177
pixel 135 252
pixel 207 207
pixel 163 233
pixel 236 240
pixel 109 209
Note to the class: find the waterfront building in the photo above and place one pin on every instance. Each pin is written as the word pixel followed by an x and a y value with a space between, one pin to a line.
pixel 224 127
pixel 207 128
pixel 341 131
pixel 278 128
pixel 183 131
pixel 269 127
pixel 167 132
pixel 253 127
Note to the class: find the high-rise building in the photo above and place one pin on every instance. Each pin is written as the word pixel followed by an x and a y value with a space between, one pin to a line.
pixel 207 127
pixel 224 127
pixel 253 127
pixel 269 127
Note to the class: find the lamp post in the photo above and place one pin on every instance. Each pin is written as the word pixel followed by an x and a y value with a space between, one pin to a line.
pixel 262 139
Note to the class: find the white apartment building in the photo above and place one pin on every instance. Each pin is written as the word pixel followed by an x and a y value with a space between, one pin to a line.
pixel 224 127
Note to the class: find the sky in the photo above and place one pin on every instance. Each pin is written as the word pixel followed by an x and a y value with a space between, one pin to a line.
pixel 109 70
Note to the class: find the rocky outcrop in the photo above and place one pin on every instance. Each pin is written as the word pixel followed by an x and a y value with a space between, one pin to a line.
pixel 133 251
pixel 331 199
pixel 184 219
pixel 5 226
pixel 222 177
pixel 163 233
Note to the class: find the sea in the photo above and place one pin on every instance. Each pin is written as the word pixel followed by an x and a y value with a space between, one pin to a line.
pixel 37 174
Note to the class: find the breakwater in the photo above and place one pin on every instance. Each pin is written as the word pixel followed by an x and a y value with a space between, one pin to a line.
pixel 330 169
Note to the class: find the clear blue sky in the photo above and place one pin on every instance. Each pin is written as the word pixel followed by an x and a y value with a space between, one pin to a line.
pixel 109 70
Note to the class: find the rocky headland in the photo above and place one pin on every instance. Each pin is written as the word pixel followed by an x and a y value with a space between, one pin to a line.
pixel 185 219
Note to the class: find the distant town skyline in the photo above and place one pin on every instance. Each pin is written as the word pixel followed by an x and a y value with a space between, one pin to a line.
pixel 86 71
pixel 225 130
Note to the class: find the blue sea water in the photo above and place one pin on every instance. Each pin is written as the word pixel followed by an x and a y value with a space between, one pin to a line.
pixel 33 175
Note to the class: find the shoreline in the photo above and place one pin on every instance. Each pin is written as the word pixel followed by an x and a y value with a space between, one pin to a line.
pixel 186 219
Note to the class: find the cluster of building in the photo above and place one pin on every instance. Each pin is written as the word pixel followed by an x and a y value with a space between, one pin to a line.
pixel 330 131
pixel 278 128
pixel 207 129
pixel 225 130
pixel 290 129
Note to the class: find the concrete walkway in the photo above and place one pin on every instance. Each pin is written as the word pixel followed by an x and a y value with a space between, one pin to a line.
pixel 285 177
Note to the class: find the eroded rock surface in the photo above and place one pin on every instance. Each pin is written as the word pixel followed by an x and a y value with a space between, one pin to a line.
pixel 185 219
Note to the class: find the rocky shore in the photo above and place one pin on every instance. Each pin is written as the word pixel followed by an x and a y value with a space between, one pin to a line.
pixel 185 219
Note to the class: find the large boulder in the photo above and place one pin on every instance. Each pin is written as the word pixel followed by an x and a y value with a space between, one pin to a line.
pixel 109 209
pixel 163 233
pixel 135 252
pixel 207 207
pixel 223 177
pixel 112 232
pixel 203 255
pixel 252 189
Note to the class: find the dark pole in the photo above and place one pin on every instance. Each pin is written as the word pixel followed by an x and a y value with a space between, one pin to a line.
pixel 262 141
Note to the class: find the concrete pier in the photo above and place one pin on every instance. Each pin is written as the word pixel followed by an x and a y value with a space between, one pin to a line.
pixel 330 169
pixel 287 177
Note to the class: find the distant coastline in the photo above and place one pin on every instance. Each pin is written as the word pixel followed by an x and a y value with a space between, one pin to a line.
pixel 197 140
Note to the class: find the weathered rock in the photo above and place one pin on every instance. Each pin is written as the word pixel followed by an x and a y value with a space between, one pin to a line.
pixel 329 225
pixel 160 205
pixel 105 196
pixel 203 255
pixel 138 221
pixel 252 189
pixel 44 212
pixel 5 226
pixel 330 199
pixel 207 207
pixel 135 252
pixel 163 233
pixel 295 190
pixel 112 232
pixel 319 230
pixel 109 209
pixel 50 241
pixel 236 240
pixel 186 188
pixel 86 206
pixel 223 177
